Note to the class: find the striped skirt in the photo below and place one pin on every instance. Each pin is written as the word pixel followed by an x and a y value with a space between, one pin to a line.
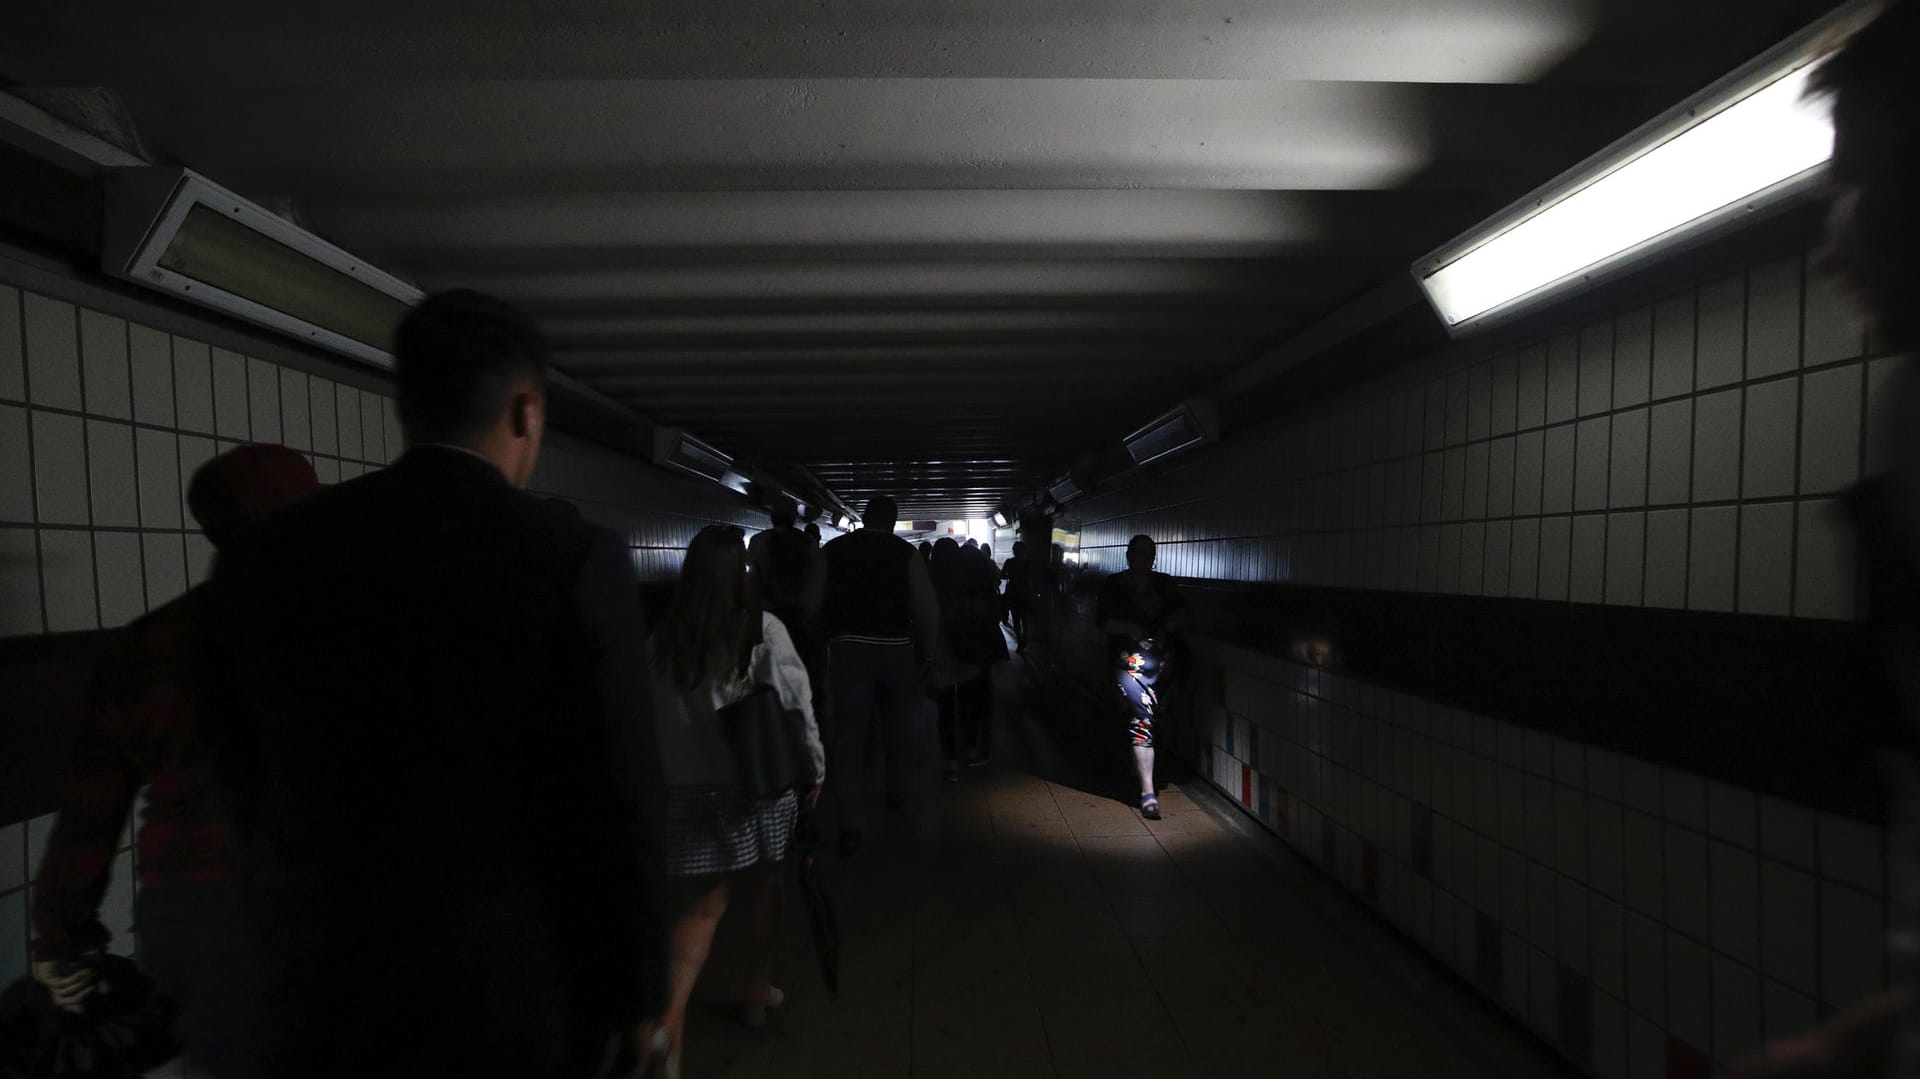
pixel 718 829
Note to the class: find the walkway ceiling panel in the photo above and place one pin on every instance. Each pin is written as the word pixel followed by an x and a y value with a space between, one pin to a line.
pixel 866 236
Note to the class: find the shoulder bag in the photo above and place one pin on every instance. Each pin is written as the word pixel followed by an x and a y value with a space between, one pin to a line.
pixel 762 732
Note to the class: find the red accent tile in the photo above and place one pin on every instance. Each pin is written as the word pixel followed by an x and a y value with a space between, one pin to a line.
pixel 1370 871
pixel 1246 786
pixel 1686 1062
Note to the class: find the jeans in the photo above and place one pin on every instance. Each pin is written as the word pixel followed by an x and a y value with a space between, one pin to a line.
pixel 187 937
pixel 872 684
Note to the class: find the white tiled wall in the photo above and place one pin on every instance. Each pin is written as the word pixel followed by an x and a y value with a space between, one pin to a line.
pixel 103 422
pixel 1631 914
pixel 1687 454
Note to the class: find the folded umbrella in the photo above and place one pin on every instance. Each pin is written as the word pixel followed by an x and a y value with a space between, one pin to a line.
pixel 813 891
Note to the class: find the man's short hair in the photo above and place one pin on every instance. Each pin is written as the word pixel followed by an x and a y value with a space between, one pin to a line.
pixel 1142 540
pixel 882 512
pixel 456 357
pixel 783 513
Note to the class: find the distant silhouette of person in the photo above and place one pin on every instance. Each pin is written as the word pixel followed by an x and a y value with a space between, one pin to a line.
pixel 140 730
pixel 1874 241
pixel 713 646
pixel 1139 610
pixel 813 532
pixel 783 516
pixel 1018 598
pixel 434 720
pixel 987 549
pixel 881 618
pixel 790 578
pixel 970 637
pixel 926 550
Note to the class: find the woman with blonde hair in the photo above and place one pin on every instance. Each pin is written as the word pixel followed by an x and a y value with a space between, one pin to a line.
pixel 712 648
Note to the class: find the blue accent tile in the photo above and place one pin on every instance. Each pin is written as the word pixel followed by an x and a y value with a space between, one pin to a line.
pixel 1423 841
pixel 1486 955
pixel 1576 1015
pixel 13 936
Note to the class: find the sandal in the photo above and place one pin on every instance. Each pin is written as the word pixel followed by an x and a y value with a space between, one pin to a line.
pixel 1150 807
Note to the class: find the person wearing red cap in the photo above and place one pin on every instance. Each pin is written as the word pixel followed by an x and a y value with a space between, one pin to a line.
pixel 140 732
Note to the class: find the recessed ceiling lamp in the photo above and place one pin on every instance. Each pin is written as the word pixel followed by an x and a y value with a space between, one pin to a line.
pixel 1751 141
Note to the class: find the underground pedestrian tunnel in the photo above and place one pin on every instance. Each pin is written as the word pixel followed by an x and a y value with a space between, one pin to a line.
pixel 1529 720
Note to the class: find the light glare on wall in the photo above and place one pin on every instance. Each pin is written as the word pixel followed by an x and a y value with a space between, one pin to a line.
pixel 1753 139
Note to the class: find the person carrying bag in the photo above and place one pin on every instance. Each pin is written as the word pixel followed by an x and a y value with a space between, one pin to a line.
pixel 738 744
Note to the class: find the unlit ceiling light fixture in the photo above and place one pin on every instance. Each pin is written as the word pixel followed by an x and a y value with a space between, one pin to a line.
pixel 1181 429
pixel 1063 490
pixel 175 230
pixel 676 449
pixel 1750 141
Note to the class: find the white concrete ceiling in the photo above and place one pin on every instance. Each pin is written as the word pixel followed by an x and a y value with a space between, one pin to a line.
pixel 941 247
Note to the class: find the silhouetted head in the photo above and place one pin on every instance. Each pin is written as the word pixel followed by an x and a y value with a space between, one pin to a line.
pixel 784 513
pixel 237 489
pixel 945 563
pixel 813 532
pixel 470 371
pixel 972 544
pixel 1874 227
pixel 882 512
pixel 926 549
pixel 705 624
pixel 987 549
pixel 1019 548
pixel 1140 550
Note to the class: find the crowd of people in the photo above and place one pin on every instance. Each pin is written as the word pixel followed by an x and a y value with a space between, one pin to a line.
pixel 416 766
pixel 425 796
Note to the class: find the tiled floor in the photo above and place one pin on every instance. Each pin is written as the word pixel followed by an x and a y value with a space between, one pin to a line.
pixel 1019 924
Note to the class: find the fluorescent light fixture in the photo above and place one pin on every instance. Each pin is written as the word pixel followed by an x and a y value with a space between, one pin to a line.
pixel 1063 490
pixel 846 523
pixel 1752 140
pixel 175 230
pixel 1000 519
pixel 676 449
pixel 1178 430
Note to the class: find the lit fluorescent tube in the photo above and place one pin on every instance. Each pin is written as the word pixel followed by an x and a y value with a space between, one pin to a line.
pixel 1754 139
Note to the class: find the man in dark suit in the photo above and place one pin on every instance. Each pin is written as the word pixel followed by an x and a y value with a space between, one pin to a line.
pixel 430 704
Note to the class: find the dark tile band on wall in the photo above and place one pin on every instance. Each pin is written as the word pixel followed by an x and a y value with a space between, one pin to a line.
pixel 1725 695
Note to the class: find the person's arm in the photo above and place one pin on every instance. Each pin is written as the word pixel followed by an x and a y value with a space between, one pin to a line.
pixel 630 841
pixel 77 866
pixel 781 668
pixel 1175 617
pixel 925 606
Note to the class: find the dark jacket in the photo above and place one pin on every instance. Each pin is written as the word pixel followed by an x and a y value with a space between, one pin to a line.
pixel 431 706
pixel 868 588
